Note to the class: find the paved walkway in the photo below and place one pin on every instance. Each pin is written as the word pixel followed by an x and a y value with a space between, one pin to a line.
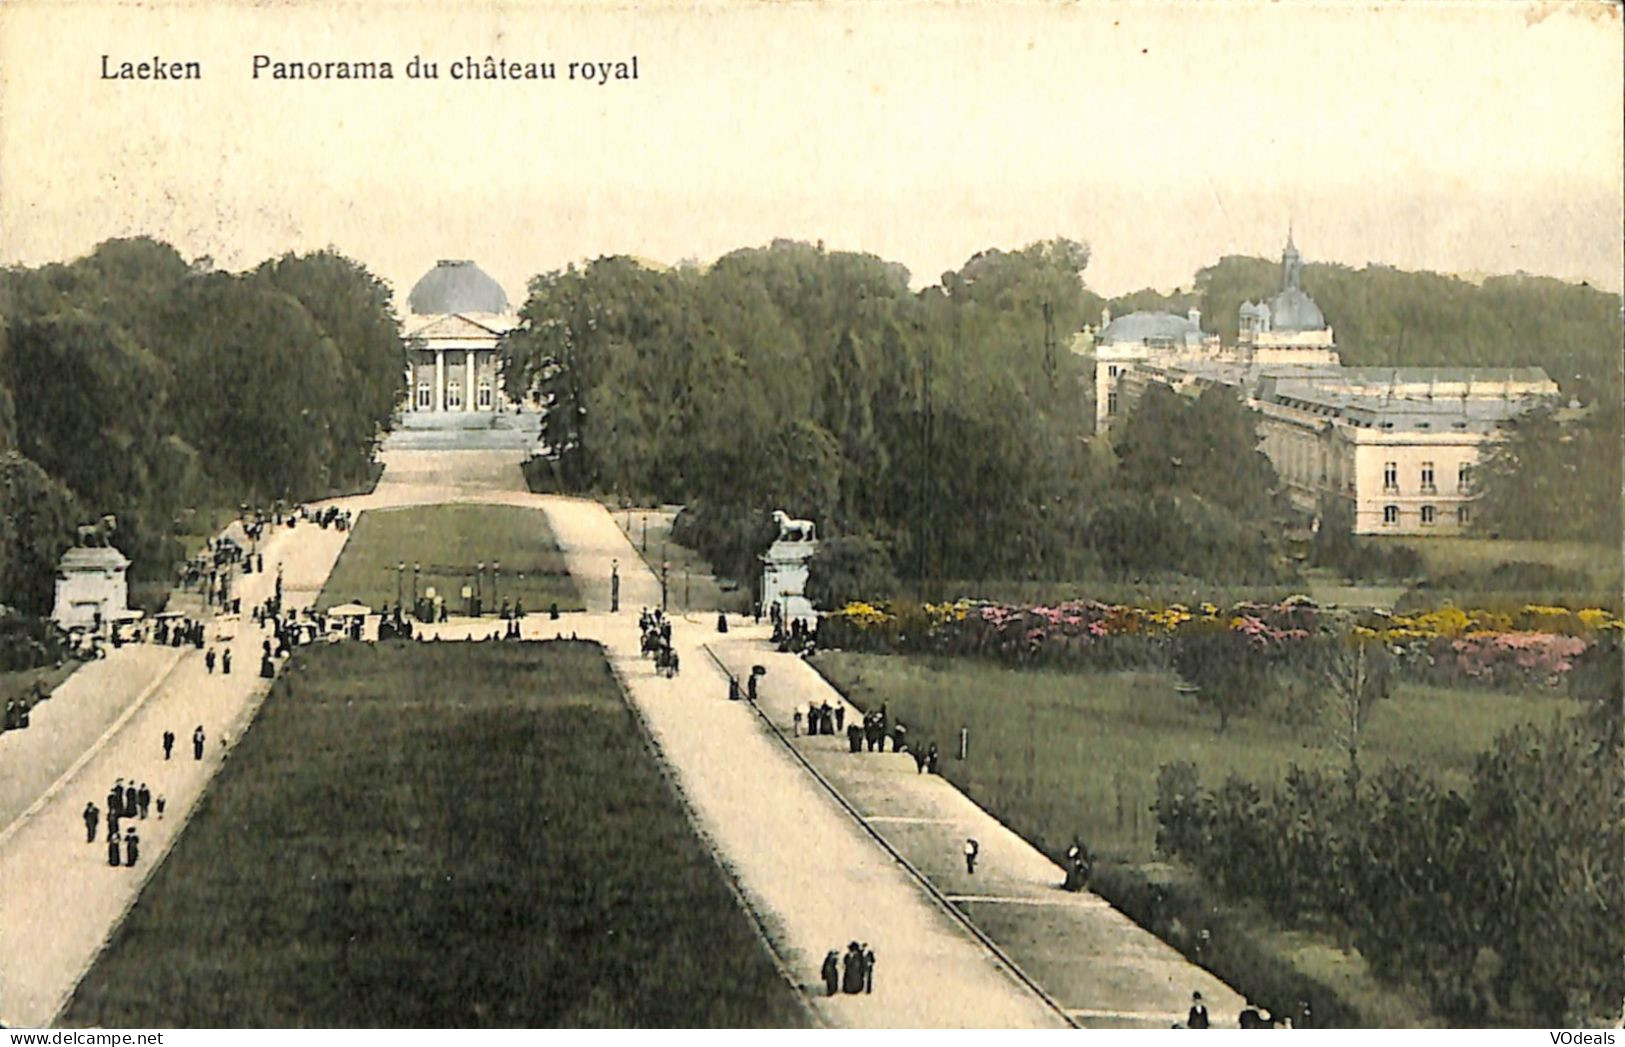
pixel 81 709
pixel 811 872
pixel 1105 970
pixel 61 900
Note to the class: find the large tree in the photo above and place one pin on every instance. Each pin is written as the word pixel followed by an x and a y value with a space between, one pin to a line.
pixel 37 518
pixel 355 311
pixel 1550 478
pixel 943 424
pixel 89 403
pixel 1207 446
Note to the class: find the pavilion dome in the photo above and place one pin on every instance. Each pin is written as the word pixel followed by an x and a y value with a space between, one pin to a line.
pixel 456 286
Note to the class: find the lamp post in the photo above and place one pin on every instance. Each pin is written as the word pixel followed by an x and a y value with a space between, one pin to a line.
pixel 614 586
pixel 416 567
pixel 664 567
pixel 645 532
pixel 496 586
pixel 400 582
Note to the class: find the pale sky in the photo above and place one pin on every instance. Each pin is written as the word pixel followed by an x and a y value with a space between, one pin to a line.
pixel 1472 137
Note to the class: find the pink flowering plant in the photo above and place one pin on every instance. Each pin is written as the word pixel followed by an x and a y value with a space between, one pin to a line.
pixel 1448 644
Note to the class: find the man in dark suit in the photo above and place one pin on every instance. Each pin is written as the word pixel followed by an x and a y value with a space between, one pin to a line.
pixel 92 817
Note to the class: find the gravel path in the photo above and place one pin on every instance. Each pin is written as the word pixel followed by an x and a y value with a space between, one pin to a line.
pixel 62 900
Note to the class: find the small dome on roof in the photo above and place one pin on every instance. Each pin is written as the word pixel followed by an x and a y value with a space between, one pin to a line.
pixel 1149 326
pixel 456 286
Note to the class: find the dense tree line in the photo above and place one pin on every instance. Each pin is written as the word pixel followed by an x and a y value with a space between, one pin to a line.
pixel 135 384
pixel 1554 477
pixel 943 424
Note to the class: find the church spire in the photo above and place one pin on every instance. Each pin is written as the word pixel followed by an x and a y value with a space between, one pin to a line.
pixel 1291 264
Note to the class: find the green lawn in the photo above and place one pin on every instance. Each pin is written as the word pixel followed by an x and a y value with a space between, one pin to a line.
pixel 1055 754
pixel 692 586
pixel 449 542
pixel 385 850
pixel 1449 554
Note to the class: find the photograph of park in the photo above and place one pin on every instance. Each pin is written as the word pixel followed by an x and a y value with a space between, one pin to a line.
pixel 926 516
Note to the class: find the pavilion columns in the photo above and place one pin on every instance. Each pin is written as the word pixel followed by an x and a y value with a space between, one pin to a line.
pixel 439 380
pixel 468 386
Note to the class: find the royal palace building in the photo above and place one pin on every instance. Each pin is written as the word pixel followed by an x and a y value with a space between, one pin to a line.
pixel 1397 446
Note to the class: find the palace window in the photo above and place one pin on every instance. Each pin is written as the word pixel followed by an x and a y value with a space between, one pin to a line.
pixel 1390 515
pixel 425 395
pixel 1429 514
pixel 1463 516
pixel 1464 477
pixel 1427 478
pixel 485 392
pixel 1111 371
pixel 454 395
pixel 1111 403
pixel 1390 476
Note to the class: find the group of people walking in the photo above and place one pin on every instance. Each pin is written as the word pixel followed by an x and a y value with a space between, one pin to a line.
pixel 18 709
pixel 177 632
pixel 1250 1017
pixel 129 802
pixel 868 735
pixel 125 803
pixel 822 718
pixel 223 660
pixel 795 636
pixel 852 973
pixel 657 641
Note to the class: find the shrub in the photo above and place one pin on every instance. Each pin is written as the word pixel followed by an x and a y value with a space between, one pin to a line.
pixel 844 570
pixel 1227 667
pixel 1502 905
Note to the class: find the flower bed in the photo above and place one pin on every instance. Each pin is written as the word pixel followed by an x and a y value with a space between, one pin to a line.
pixel 1537 645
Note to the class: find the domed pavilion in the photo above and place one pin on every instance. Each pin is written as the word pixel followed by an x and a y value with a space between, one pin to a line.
pixel 457 316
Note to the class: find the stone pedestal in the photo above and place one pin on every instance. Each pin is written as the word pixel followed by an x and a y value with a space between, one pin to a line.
pixel 784 570
pixel 91 590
